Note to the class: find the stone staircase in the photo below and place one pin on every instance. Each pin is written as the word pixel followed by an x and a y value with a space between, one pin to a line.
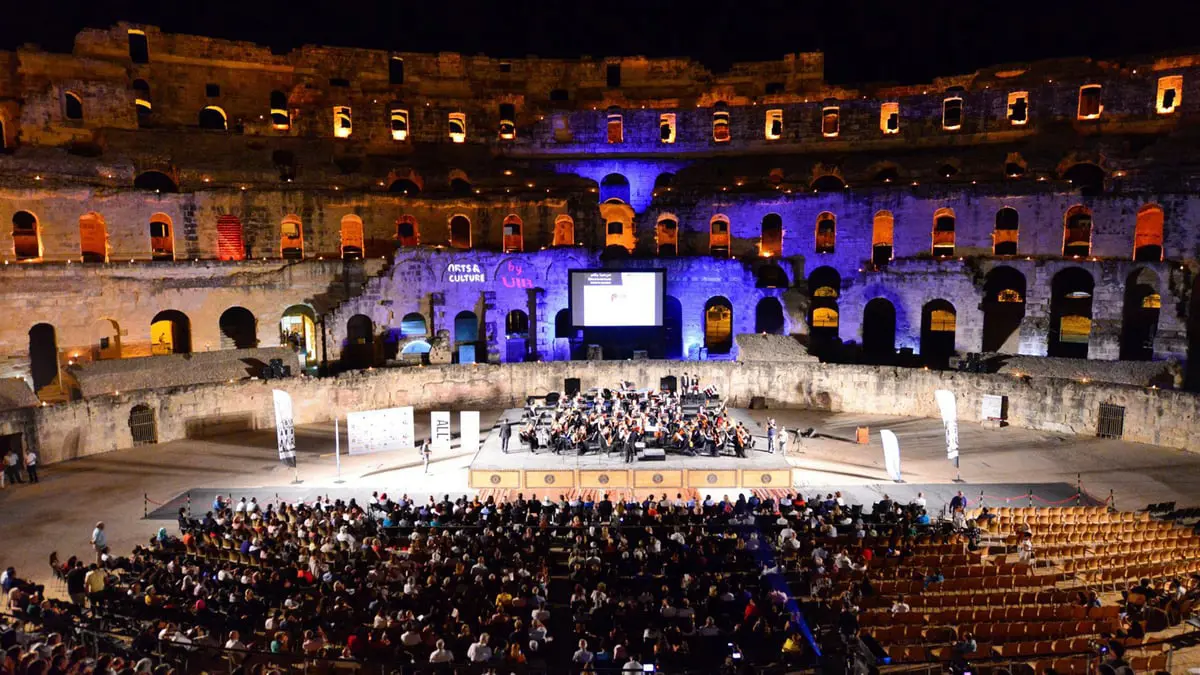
pixel 54 392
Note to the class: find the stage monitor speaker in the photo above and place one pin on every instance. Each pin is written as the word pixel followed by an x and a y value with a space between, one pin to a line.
pixel 653 455
pixel 668 383
pixel 266 373
pixel 640 355
pixel 758 403
pixel 571 386
pixel 595 353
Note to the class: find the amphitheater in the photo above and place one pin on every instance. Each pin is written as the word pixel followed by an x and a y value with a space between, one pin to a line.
pixel 197 224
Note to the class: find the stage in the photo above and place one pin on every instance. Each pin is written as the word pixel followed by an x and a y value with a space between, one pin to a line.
pixel 520 468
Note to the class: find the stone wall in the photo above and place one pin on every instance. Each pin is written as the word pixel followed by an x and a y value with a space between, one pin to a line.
pixel 77 429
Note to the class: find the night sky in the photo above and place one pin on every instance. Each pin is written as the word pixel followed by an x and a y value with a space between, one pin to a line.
pixel 899 40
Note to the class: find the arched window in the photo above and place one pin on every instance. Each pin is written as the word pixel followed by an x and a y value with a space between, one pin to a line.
pixel 879 331
pixel 516 324
pixel 162 237
pixel 718 325
pixel 141 100
pixel 952 112
pixel 770 275
pixel 1089 102
pixel 824 287
pixel 882 233
pixel 466 336
pixel 291 241
pixel 27 236
pixel 212 117
pixel 280 118
pixel 614 187
pixel 718 236
pixel 943 233
pixel 239 329
pixel 460 183
pixel 774 125
pixel 343 121
pixel 1139 320
pixel 398 118
pixel 1170 94
pixel 1087 177
pixel 1071 313
pixel 1077 232
pixel 772 236
pixel 359 349
pixel 508 124
pixel 830 121
pixel 458 127
pixel 616 126
pixel 1148 234
pixel 564 231
pixel 514 238
pixel 352 237
pixel 939 321
pixel 768 317
pixel 829 183
pixel 170 333
pixel 139 48
pixel 720 123
pixel 1003 310
pixel 1004 238
pixel 298 330
pixel 413 325
pixel 666 235
pixel 666 128
pixel 460 232
pixel 155 180
pixel 826 235
pixel 889 117
pixel 404 186
pixel 408 234
pixel 72 106
pixel 230 241
pixel 93 237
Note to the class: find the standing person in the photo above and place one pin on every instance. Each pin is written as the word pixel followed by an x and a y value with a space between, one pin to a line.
pixel 505 434
pixel 31 460
pixel 425 453
pixel 99 540
pixel 12 466
pixel 771 429
pixel 783 440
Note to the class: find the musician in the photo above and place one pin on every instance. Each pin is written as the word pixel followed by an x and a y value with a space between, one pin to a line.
pixel 739 441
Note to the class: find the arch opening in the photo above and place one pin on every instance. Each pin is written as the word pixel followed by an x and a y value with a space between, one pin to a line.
pixel 718 325
pixel 156 181
pixel 1071 313
pixel 93 238
pixel 1077 232
pixel 879 331
pixel 882 236
pixel 170 333
pixel 1004 237
pixel 239 329
pixel 614 188
pixel 298 330
pixel 514 234
pixel 291 238
pixel 1139 320
pixel 1148 234
pixel 772 236
pixel 1003 310
pixel 408 232
pixel 214 118
pixel 27 236
pixel 352 237
pixel 43 356
pixel 943 233
pixel 564 231
pixel 162 237
pixel 768 316
pixel 939 321
pixel 466 336
pixel 460 232
pixel 516 332
pixel 359 349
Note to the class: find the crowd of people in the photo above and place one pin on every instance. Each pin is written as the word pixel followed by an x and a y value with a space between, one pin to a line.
pixel 624 420
pixel 535 584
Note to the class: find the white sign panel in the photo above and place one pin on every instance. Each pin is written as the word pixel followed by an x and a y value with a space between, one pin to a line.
pixel 468 430
pixel 439 429
pixel 992 407
pixel 949 408
pixel 285 427
pixel 891 454
pixel 380 430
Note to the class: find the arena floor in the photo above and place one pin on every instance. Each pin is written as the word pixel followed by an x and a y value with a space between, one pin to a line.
pixel 120 487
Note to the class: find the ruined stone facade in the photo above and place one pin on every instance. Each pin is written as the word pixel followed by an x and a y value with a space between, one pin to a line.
pixel 172 193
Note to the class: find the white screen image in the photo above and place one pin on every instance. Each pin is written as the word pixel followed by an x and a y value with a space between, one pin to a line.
pixel 603 298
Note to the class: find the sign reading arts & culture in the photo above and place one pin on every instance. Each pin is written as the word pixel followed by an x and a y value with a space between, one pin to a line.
pixel 464 273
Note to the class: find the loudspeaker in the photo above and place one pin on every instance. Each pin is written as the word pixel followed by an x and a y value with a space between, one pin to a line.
pixel 640 355
pixel 758 403
pixel 668 383
pixel 653 455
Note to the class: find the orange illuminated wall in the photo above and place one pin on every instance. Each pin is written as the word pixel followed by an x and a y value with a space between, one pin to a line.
pixel 514 239
pixel 291 237
pixel 352 237
pixel 772 235
pixel 882 232
pixel 564 231
pixel 718 236
pixel 230 244
pixel 666 235
pixel 408 234
pixel 1148 235
pixel 943 232
pixel 93 237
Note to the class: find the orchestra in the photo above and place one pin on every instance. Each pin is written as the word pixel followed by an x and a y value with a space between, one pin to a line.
pixel 626 420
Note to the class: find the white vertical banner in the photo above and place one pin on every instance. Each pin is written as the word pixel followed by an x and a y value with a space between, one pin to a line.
pixel 946 403
pixel 891 454
pixel 439 429
pixel 285 427
pixel 468 431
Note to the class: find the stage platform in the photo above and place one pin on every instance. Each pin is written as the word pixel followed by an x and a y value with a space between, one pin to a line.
pixel 521 468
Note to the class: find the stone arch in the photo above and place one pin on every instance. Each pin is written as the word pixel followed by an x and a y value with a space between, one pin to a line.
pixel 673 328
pixel 231 244
pixel 408 232
pixel 460 183
pixel 618 226
pixel 614 188
pixel 143 427
pixel 718 236
pixel 72 106
pixel 666 235
pixel 768 316
pixel 460 231
pixel 664 180
pixel 1071 313
pixel 564 230
pixel 826 232
pixel 824 289
pixel 1192 377
pixel 466 336
pixel 879 331
pixel 359 349
pixel 239 329
pixel 291 237
pixel 1006 232
pixel 939 321
pixel 170 333
pixel 298 330
pixel 514 234
pixel 1148 234
pixel 828 183
pixel 562 324
pixel 1139 320
pixel 771 241
pixel 27 236
pixel 213 117
pixel 105 339
pixel 404 186
pixel 944 223
pixel 1077 232
pixel 770 275
pixel 156 181
pixel 1003 310
pixel 882 238
pixel 352 237
pixel 718 325
pixel 162 237
pixel 516 334
pixel 43 355
pixel 1087 177
pixel 413 325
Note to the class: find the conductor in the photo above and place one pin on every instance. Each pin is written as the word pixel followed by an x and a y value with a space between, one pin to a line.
pixel 505 434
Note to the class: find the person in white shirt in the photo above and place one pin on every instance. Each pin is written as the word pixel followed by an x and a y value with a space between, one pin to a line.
pixel 31 460
pixel 235 643
pixel 410 637
pixel 632 666
pixel 582 656
pixel 441 654
pixel 900 606
pixel 241 506
pixel 99 541
pixel 480 652
pixel 920 500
